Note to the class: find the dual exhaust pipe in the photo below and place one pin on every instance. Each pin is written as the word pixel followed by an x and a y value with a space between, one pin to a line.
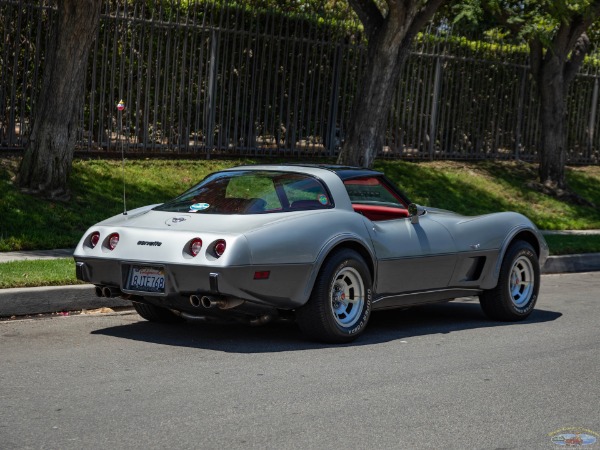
pixel 107 292
pixel 196 301
pixel 207 302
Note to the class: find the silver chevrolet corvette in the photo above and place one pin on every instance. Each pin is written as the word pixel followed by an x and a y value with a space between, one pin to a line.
pixel 325 245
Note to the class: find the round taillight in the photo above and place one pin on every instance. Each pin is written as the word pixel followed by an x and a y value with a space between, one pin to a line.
pixel 220 247
pixel 94 238
pixel 195 246
pixel 113 240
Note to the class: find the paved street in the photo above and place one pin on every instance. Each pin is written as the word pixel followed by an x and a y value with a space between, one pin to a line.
pixel 439 376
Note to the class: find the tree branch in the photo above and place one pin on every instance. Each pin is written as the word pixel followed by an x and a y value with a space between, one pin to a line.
pixel 571 42
pixel 503 16
pixel 423 16
pixel 582 23
pixel 369 15
pixel 577 56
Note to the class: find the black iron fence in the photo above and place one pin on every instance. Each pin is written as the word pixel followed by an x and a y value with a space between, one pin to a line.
pixel 199 79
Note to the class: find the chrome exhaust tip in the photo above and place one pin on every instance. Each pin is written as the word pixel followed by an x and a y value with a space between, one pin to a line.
pixel 195 301
pixel 110 292
pixel 210 302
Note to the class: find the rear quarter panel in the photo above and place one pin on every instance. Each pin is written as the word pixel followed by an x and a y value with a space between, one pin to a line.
pixel 307 237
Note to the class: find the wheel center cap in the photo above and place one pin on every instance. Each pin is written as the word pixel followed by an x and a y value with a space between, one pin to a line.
pixel 338 298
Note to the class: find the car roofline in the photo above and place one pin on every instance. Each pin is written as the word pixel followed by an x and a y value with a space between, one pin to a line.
pixel 342 171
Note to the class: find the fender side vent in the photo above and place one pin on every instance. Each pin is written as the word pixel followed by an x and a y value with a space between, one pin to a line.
pixel 475 268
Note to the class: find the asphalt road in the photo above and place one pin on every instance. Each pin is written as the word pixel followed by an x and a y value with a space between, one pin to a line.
pixel 432 377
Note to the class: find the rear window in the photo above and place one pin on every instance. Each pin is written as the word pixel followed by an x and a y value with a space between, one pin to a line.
pixel 251 192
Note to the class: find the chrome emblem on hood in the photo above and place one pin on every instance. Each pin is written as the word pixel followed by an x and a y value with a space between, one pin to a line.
pixel 176 220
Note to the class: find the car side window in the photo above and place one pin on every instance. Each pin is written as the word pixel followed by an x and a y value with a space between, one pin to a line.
pixel 371 190
pixel 375 200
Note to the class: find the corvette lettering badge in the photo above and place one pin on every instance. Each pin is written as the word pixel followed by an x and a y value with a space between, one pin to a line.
pixel 151 244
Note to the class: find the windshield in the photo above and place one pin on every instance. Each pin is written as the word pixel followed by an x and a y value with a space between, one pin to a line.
pixel 251 192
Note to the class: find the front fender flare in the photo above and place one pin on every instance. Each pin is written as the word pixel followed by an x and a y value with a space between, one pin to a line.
pixel 508 240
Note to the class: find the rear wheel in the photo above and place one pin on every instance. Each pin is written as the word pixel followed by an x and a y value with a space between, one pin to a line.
pixel 156 313
pixel 516 293
pixel 340 305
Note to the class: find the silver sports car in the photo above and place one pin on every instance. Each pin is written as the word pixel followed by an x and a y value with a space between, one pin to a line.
pixel 325 245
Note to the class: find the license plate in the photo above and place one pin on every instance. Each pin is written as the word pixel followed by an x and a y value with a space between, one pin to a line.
pixel 146 279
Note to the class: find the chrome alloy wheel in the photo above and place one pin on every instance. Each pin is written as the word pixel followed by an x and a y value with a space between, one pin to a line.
pixel 521 282
pixel 347 297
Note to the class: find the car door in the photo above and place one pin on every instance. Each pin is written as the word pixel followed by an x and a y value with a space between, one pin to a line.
pixel 412 257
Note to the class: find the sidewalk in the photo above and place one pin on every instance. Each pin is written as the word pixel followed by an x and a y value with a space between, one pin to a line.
pixel 49 299
pixel 36 254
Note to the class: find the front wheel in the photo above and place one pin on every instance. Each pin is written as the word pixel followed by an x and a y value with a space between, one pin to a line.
pixel 516 293
pixel 340 305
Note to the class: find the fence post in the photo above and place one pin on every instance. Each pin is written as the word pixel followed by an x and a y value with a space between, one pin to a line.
pixel 211 94
pixel 435 105
pixel 592 123
pixel 520 113
pixel 334 102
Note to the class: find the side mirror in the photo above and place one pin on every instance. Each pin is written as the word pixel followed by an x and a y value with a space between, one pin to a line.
pixel 413 213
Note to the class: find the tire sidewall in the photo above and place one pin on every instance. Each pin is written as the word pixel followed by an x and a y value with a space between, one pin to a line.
pixel 518 251
pixel 356 262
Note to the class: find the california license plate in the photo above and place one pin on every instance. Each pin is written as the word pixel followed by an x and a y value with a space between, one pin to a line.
pixel 146 279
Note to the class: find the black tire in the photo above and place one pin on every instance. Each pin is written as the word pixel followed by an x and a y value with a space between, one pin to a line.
pixel 516 293
pixel 156 313
pixel 340 304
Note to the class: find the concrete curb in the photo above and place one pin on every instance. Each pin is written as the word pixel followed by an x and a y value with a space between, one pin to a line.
pixel 50 299
pixel 583 262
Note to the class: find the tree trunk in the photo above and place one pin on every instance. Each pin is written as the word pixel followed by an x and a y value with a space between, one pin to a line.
pixel 366 132
pixel 554 67
pixel 46 164
pixel 552 87
pixel 389 38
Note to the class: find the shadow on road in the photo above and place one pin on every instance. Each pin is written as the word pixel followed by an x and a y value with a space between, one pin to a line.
pixel 384 326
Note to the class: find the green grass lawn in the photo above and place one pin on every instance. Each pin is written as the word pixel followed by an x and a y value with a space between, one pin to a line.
pixel 29 223
pixel 565 245
pixel 470 188
pixel 473 188
pixel 47 272
pixel 465 187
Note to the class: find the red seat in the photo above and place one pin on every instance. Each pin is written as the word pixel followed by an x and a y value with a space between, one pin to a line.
pixel 377 212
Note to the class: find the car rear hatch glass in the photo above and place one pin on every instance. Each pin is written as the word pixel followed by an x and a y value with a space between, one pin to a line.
pixel 251 192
